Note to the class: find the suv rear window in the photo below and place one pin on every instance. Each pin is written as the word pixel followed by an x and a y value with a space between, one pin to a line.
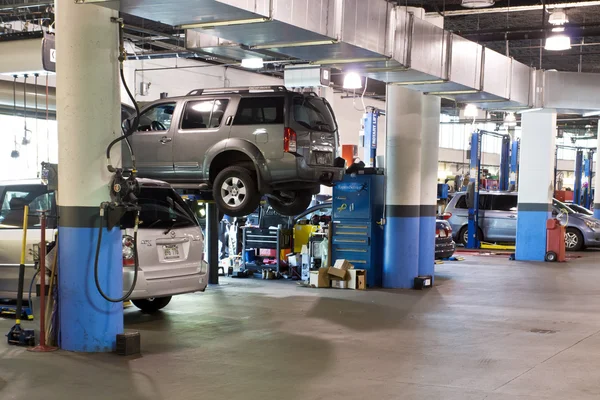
pixel 162 208
pixel 37 197
pixel 260 111
pixel 314 114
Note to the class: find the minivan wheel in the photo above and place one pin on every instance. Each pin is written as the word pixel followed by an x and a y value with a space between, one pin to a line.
pixel 573 240
pixel 293 206
pixel 152 304
pixel 463 235
pixel 235 191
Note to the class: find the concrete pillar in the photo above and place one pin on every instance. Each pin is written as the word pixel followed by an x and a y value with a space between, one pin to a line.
pixel 597 178
pixel 430 138
pixel 403 187
pixel 536 178
pixel 88 114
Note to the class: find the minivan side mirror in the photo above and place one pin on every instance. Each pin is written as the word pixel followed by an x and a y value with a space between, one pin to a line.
pixel 128 124
pixel 554 212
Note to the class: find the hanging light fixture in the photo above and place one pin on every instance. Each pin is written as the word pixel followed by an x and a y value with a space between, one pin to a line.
pixel 352 80
pixel 471 111
pixel 510 119
pixel 252 63
pixel 558 42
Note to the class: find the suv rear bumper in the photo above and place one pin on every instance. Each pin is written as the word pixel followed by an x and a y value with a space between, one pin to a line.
pixel 322 174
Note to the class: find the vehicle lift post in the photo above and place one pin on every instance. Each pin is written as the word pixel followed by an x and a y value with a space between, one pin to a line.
pixel 505 164
pixel 588 171
pixel 514 165
pixel 578 174
pixel 371 121
pixel 473 240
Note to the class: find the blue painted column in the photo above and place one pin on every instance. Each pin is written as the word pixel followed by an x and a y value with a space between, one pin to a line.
pixel 88 115
pixel 430 138
pixel 536 177
pixel 403 187
pixel 597 178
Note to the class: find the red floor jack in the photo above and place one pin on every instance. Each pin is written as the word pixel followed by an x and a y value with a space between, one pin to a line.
pixel 17 335
pixel 555 241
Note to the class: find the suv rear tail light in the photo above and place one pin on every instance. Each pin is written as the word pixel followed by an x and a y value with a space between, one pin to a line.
pixel 289 141
pixel 446 216
pixel 128 251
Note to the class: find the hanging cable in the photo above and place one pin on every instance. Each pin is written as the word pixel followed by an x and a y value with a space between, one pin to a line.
pixel 25 141
pixel 37 141
pixel 129 129
pixel 47 124
pixel 15 152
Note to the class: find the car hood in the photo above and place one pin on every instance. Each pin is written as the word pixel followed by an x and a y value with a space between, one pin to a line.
pixel 574 219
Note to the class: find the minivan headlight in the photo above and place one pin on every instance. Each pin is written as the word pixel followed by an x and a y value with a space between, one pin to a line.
pixel 591 224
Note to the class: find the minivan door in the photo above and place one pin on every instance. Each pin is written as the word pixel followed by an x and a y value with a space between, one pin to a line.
pixel 153 142
pixel 204 123
pixel 501 218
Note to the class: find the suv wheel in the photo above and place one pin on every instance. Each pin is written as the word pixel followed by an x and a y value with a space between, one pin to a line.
pixel 235 192
pixel 463 235
pixel 573 240
pixel 152 304
pixel 291 207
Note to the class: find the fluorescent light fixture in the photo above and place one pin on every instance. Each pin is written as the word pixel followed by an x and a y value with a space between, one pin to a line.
pixel 294 44
pixel 529 110
pixel 477 3
pixel 252 63
pixel 510 119
pixel 214 24
pixel 352 80
pixel 558 43
pixel 558 29
pixel 591 114
pixel 419 82
pixel 454 92
pixel 471 111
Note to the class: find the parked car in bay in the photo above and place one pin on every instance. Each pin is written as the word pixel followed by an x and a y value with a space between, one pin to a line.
pixel 243 143
pixel 444 242
pixel 498 220
pixel 170 242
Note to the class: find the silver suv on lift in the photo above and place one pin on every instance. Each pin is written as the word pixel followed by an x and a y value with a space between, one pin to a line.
pixel 243 143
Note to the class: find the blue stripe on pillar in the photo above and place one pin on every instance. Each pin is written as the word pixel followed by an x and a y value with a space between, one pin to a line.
pixel 89 323
pixel 401 252
pixel 426 246
pixel 531 235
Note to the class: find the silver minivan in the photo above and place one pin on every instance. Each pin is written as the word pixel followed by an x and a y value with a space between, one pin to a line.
pixel 243 143
pixel 498 220
pixel 170 242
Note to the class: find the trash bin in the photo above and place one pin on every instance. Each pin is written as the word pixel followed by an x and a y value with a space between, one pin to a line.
pixel 555 241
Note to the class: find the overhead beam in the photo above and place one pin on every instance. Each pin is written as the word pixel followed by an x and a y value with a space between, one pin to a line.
pixel 493 10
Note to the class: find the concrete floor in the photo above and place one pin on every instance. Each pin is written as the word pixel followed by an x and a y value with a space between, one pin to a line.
pixel 490 329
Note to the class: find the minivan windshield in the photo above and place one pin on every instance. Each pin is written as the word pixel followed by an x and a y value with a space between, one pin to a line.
pixel 161 208
pixel 314 114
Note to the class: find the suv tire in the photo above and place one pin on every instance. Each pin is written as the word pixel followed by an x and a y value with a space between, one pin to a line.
pixel 463 233
pixel 293 207
pixel 235 191
pixel 152 305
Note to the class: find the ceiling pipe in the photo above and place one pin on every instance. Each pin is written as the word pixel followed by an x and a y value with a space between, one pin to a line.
pixel 493 10
pixel 521 34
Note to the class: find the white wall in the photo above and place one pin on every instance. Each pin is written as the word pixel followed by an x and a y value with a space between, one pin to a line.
pixel 177 79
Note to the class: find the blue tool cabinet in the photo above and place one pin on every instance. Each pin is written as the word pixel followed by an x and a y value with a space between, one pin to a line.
pixel 357 232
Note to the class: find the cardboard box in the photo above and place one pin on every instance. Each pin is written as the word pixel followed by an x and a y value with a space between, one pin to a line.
pixel 320 278
pixel 361 279
pixel 339 284
pixel 351 282
pixel 340 269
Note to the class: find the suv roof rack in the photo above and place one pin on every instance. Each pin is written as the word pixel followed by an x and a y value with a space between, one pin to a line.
pixel 243 89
